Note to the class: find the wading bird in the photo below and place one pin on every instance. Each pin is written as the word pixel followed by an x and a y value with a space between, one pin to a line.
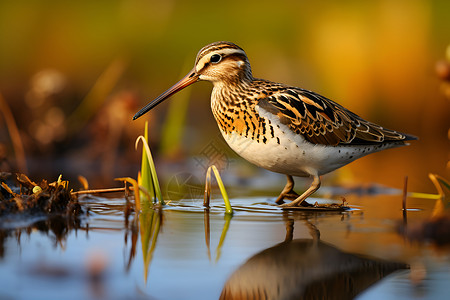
pixel 281 128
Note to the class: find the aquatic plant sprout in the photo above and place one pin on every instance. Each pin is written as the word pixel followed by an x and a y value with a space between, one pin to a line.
pixel 226 200
pixel 442 203
pixel 144 176
pixel 146 188
pixel 439 182
pixel 149 178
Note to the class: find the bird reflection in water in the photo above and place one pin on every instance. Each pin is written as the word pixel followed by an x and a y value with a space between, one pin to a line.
pixel 305 269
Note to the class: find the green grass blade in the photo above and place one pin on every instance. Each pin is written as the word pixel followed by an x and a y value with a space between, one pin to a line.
pixel 424 195
pixel 146 177
pixel 228 208
pixel 154 176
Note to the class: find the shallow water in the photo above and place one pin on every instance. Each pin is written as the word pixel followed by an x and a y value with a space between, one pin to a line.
pixel 111 255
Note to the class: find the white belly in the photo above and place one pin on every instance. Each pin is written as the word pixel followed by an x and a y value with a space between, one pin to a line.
pixel 295 156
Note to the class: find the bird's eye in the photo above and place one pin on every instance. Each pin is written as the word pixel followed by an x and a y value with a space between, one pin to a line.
pixel 215 58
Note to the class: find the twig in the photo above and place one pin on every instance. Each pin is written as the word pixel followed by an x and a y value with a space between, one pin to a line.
pixel 14 135
pixel 101 191
pixel 405 193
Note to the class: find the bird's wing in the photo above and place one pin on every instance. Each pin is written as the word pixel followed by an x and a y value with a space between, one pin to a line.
pixel 322 121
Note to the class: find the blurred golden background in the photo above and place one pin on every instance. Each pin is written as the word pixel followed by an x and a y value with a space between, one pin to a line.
pixel 74 73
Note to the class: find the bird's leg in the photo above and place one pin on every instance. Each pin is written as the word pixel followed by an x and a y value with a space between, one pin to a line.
pixel 289 231
pixel 288 191
pixel 298 202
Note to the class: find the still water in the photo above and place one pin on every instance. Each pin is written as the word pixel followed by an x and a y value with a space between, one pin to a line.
pixel 185 252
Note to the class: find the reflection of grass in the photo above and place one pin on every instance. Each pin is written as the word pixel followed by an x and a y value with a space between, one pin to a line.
pixel 150 221
pixel 222 236
pixel 207 231
pixel 147 222
pixel 228 208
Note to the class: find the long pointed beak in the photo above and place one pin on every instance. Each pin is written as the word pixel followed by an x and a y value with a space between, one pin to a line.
pixel 187 80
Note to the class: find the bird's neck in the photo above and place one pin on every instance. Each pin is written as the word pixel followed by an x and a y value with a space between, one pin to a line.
pixel 226 94
pixel 233 106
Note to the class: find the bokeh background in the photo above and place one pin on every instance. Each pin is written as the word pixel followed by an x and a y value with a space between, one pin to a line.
pixel 72 75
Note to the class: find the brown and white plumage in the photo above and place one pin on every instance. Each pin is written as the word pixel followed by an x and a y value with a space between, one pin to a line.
pixel 322 121
pixel 281 128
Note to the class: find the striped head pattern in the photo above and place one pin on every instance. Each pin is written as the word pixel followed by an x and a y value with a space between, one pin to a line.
pixel 220 63
pixel 223 62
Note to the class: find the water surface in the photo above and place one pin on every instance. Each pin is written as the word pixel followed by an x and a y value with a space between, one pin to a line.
pixel 185 252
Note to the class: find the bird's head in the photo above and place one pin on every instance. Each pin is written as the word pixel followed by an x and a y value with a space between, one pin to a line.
pixel 222 63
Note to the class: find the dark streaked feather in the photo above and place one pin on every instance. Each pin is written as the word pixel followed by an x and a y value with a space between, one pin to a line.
pixel 322 121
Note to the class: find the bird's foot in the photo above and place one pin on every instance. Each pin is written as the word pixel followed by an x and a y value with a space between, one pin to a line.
pixel 296 204
pixel 300 201
pixel 288 196
pixel 287 192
